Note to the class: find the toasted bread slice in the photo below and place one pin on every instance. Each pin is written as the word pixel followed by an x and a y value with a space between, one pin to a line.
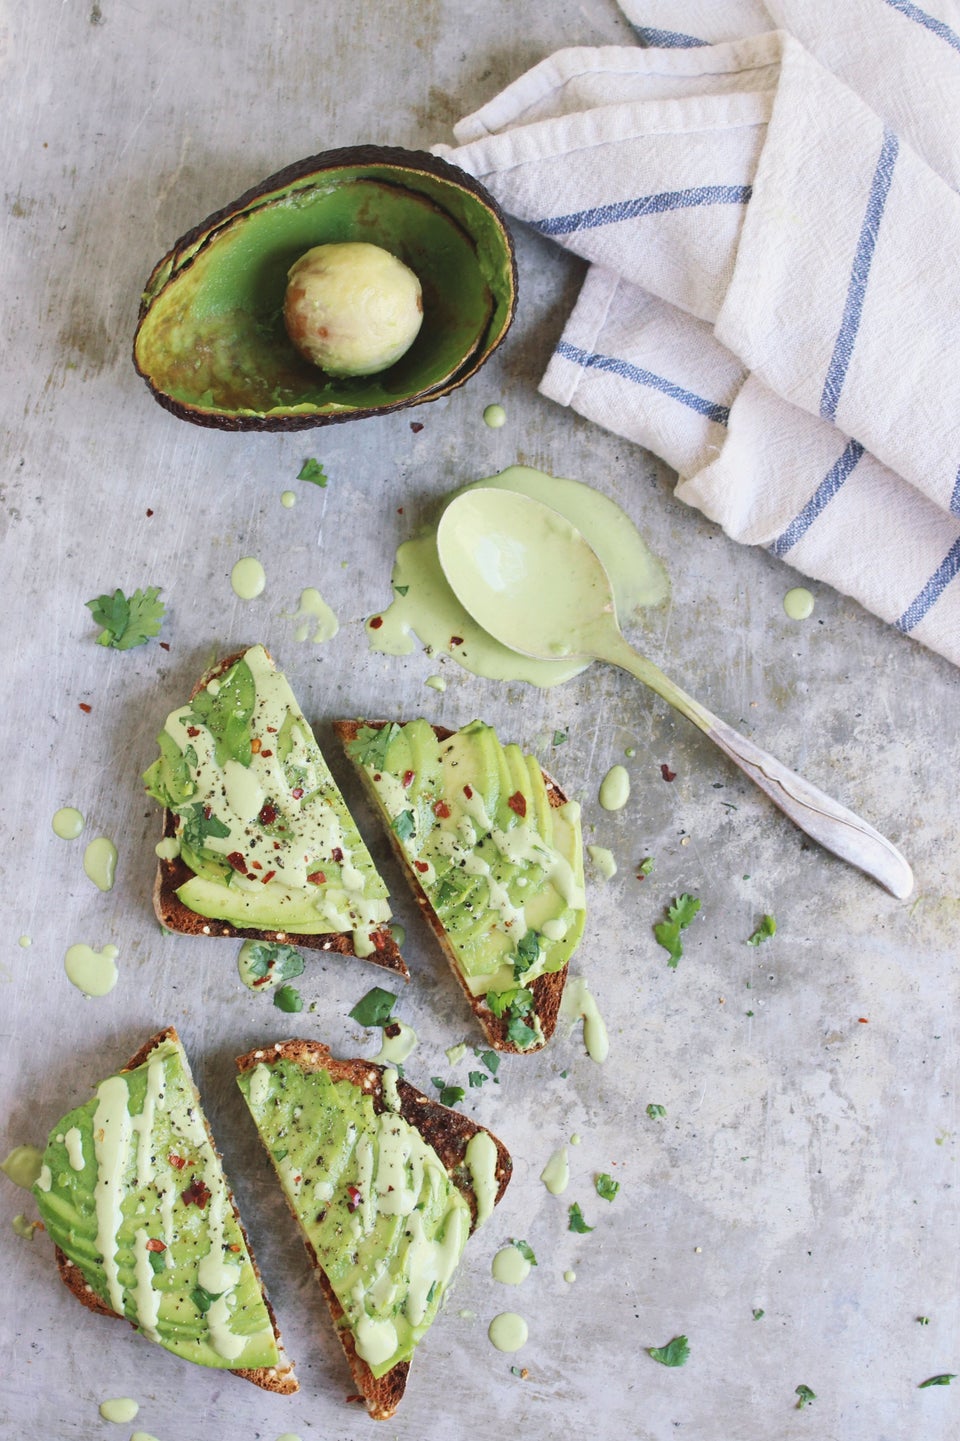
pixel 167 1302
pixel 336 1167
pixel 211 873
pixel 527 1023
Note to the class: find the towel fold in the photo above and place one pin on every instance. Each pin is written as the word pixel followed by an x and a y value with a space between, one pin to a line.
pixel 773 305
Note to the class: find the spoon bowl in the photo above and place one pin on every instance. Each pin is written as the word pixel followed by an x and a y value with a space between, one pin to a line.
pixel 530 579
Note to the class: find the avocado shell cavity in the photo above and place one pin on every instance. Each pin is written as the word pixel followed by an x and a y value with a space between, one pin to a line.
pixel 211 342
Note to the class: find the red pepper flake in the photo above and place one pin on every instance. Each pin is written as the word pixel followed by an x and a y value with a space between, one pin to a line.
pixel 149 512
pixel 268 813
pixel 422 866
pixel 271 730
pixel 84 707
pixel 863 1020
pixel 193 730
pixel 235 1246
pixel 164 644
pixel 266 754
pixel 236 860
pixel 518 803
pixel 441 810
pixel 408 778
pixel 297 792
pixel 317 879
pixel 468 792
pixel 155 1245
pixel 336 854
pixel 255 745
pixel 456 640
pixel 376 622
pixel 257 865
pixel 353 1198
pixel 416 426
pixel 196 1194
pixel 207 812
pixel 667 773
pixel 268 877
pixel 177 1162
pixel 379 940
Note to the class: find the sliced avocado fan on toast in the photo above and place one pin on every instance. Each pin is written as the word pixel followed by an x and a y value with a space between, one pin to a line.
pixel 133 1195
pixel 494 852
pixel 257 839
pixel 386 1186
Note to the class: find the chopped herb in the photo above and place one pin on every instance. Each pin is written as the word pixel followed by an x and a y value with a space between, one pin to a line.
pixel 477 1078
pixel 197 825
pixel 280 963
pixel 943 1379
pixel 157 1261
pixel 528 951
pixel 434 1286
pixel 674 1353
pixel 654 1110
pixel 559 737
pixel 369 748
pixel 313 471
pixel 519 1033
pixel 606 1186
pixel 401 589
pixel 449 1095
pixel 576 1222
pixel 766 929
pixel 758 1313
pixel 204 1299
pixel 127 621
pixel 680 913
pixel 645 867
pixel 490 1059
pixel 375 1008
pixel 288 998
pixel 804 1396
pixel 403 825
pixel 498 1001
pixel 280 1154
pixel 923 1320
pixel 520 1371
pixel 526 1251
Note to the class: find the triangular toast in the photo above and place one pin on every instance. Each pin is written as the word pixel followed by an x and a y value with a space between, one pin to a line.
pixel 133 1195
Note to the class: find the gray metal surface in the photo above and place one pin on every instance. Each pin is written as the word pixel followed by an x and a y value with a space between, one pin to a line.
pixel 806 1165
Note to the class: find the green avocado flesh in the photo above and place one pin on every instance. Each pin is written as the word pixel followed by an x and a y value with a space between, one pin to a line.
pixel 373 1200
pixel 259 818
pixel 134 1195
pixel 501 867
pixel 212 335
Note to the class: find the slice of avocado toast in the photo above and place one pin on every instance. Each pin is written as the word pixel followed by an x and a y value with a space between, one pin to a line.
pixel 257 839
pixel 493 850
pixel 386 1186
pixel 133 1195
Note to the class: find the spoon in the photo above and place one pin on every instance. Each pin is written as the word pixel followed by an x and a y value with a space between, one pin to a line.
pixel 532 581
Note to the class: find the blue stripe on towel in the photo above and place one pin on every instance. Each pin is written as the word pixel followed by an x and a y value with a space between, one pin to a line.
pixel 955 498
pixel 644 205
pixel 614 366
pixel 820 499
pixel 932 591
pixel 929 22
pixel 853 309
pixel 666 39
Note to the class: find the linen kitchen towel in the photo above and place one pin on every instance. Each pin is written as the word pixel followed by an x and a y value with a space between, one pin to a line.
pixel 774 305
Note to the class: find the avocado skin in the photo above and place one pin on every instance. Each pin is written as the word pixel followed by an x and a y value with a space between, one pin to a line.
pixel 405 164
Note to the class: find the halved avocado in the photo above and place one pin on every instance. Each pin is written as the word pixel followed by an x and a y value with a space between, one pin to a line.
pixel 211 342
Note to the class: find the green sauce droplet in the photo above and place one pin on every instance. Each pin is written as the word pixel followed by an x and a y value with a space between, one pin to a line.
pixel 798 603
pixel 288 499
pixel 93 972
pixel 508 1332
pixel 495 416
pixel 248 578
pixel 100 862
pixel 615 788
pixel 67 823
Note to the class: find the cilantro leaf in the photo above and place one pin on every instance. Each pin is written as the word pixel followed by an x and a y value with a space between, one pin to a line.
pixel 375 1008
pixel 526 1251
pixel 197 825
pixel 655 1110
pixel 204 1299
pixel 559 737
pixel 645 867
pixel 313 471
pixel 576 1222
pixel 943 1379
pixel 519 1033
pixel 679 915
pixel 606 1186
pixel 127 621
pixel 403 825
pixel 766 929
pixel 490 1059
pixel 805 1396
pixel 449 1095
pixel 758 1313
pixel 270 959
pixel 674 1353
pixel 158 1261
pixel 288 998
pixel 477 1078
pixel 528 951
pixel 499 1001
pixel 369 748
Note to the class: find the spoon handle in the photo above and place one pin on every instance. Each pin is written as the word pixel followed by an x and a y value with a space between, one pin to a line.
pixel 824 819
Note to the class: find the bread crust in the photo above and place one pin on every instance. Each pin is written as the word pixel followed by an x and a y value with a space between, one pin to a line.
pixel 279 1379
pixel 175 916
pixel 448 1132
pixel 547 990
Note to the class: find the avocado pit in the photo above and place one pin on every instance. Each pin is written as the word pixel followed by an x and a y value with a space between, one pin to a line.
pixel 353 308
